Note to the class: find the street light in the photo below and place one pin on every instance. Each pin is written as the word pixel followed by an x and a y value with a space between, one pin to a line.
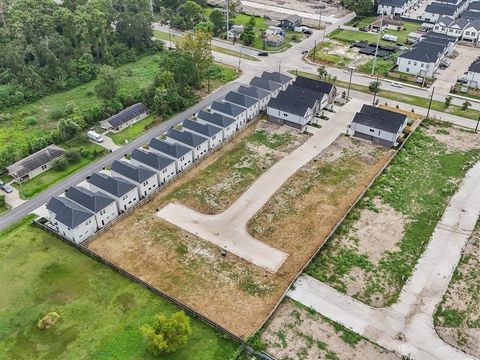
pixel 376 47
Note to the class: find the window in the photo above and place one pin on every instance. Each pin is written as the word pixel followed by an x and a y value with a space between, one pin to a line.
pixel 409 62
pixel 422 64
pixel 145 183
pixel 372 130
pixel 415 63
pixel 214 137
pixel 183 157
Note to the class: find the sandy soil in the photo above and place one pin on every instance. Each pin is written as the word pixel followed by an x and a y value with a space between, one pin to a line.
pixel 455 138
pixel 296 333
pixel 226 289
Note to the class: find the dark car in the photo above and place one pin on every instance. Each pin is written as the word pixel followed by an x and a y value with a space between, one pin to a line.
pixel 304 52
pixel 307 32
pixel 263 53
pixel 364 29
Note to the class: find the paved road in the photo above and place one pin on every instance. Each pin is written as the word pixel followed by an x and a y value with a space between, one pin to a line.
pixel 407 327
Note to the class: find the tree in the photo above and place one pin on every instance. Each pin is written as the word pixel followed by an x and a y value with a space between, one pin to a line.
pixel 448 101
pixel 218 20
pixel 108 84
pixel 167 334
pixel 234 7
pixel 248 35
pixel 466 105
pixel 205 26
pixel 322 72
pixel 188 15
pixel 360 7
pixel 374 86
pixel 198 46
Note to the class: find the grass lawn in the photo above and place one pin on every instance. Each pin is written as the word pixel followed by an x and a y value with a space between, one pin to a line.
pixel 361 21
pixel 101 311
pixel 134 131
pixel 52 176
pixel 4 207
pixel 405 98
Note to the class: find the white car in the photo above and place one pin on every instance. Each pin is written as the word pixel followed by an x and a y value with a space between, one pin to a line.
pixel 397 85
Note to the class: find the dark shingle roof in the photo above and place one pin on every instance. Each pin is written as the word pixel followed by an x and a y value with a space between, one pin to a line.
pixel 127 114
pixel 139 174
pixel 471 15
pixel 460 22
pixel 93 201
pixel 151 159
pixel 268 85
pixel 475 24
pixel 253 91
pixel 442 9
pixel 277 77
pixel 311 84
pixel 379 119
pixel 293 18
pixel 186 137
pixel 394 3
pixel 240 99
pixel 424 51
pixel 68 212
pixel 474 6
pixel 445 21
pixel 294 89
pixel 292 103
pixel 215 119
pixel 475 66
pixel 173 150
pixel 227 108
pixel 35 161
pixel 204 129
pixel 439 38
pixel 111 184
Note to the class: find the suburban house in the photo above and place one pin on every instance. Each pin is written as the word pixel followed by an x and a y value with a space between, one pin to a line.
pixel 263 96
pixel 274 30
pixel 443 39
pixel 471 33
pixel 213 133
pixel 436 10
pixel 317 85
pixel 35 164
pixel 250 104
pixel 449 26
pixel 291 21
pixel 163 166
pixel 422 59
pixel 394 7
pixel 290 109
pixel 234 111
pixel 125 118
pixel 182 155
pixel 227 124
pixel 380 126
pixel 473 74
pixel 70 220
pixel 145 179
pixel 278 77
pixel 388 22
pixel 272 86
pixel 124 192
pixel 274 40
pixel 197 143
pixel 103 206
pixel 322 98
pixel 234 33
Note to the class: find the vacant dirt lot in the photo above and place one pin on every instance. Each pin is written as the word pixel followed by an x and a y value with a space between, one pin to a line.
pixel 295 332
pixel 457 319
pixel 226 289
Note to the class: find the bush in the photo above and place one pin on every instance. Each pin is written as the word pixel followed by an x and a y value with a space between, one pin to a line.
pixel 56 114
pixel 30 121
pixel 3 203
pixel 72 156
pixel 60 164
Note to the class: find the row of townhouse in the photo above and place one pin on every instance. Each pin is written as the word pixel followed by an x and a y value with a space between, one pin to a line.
pixel 396 7
pixel 464 29
pixel 82 210
pixel 432 13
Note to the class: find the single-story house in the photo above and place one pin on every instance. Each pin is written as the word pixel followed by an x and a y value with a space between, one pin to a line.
pixel 145 179
pixel 252 105
pixel 388 22
pixel 274 30
pixel 35 164
pixel 199 144
pixel 70 220
pixel 291 21
pixel 272 86
pixel 278 77
pixel 103 206
pixel 473 74
pixel 263 96
pixel 274 40
pixel 214 134
pixel 322 98
pixel 124 192
pixel 125 118
pixel 164 166
pixel 229 109
pixel 290 109
pixel 182 155
pixel 317 85
pixel 380 126
pixel 235 32
pixel 226 123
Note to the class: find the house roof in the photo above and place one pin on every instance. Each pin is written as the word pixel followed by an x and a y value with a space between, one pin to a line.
pixel 294 89
pixel 292 103
pixel 445 21
pixel 424 51
pixel 35 161
pixel 471 15
pixel 460 23
pixel 204 129
pixel 111 184
pixel 394 3
pixel 227 108
pixel 387 20
pixel 475 24
pixel 442 9
pixel 316 85
pixel 139 174
pixel 268 85
pixel 474 6
pixel 215 119
pixel 93 201
pixel 240 99
pixel 174 150
pixel 151 159
pixel 293 18
pixel 68 212
pixel 277 77
pixel 380 119
pixel 454 2
pixel 253 91
pixel 186 137
pixel 439 38
pixel 126 115
pixel 475 66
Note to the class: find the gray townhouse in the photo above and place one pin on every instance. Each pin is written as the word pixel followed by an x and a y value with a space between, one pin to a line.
pixel 124 192
pixel 292 110
pixel 263 96
pixel 182 155
pixel 272 86
pixel 251 105
pixel 164 167
pixel 231 110
pixel 317 85
pixel 198 144
pixel 322 98
pixel 278 77
pixel 214 134
pixel 226 123
pixel 145 179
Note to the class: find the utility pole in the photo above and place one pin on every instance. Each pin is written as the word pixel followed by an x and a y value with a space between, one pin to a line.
pixel 476 127
pixel 376 47
pixel 314 50
pixel 227 14
pixel 239 58
pixel 430 102
pixel 375 93
pixel 352 68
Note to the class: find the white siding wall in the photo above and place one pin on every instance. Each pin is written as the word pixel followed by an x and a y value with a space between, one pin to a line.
pixel 473 79
pixel 290 117
pixel 201 150
pixel 167 173
pixel 126 201
pixel 106 215
pixel 79 234
pixel 415 67
pixel 180 164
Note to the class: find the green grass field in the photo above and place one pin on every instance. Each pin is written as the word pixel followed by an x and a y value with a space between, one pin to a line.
pixel 402 35
pixel 101 311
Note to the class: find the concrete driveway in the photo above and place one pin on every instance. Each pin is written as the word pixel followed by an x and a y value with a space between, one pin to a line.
pixel 407 326
pixel 13 199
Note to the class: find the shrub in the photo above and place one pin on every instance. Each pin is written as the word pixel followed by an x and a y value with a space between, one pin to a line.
pixel 72 156
pixel 2 201
pixel 56 114
pixel 60 164
pixel 48 320
pixel 30 121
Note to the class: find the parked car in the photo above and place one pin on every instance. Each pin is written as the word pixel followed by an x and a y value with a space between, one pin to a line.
pixel 308 32
pixel 263 53
pixel 7 188
pixel 396 84
pixel 95 136
pixel 304 52
pixel 364 29
pixel 446 63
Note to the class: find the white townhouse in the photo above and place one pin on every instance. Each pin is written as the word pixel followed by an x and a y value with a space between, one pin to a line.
pixel 422 59
pixel 322 98
pixel 103 206
pixel 271 86
pixel 227 124
pixel 473 74
pixel 182 155
pixel 145 179
pixel 471 33
pixel 231 110
pixel 292 110
pixel 251 105
pixel 124 192
pixel 198 144
pixel 393 7
pixel 70 220
pixel 261 95
pixel 162 165
pixel 214 134
pixel 278 77
pixel 434 11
